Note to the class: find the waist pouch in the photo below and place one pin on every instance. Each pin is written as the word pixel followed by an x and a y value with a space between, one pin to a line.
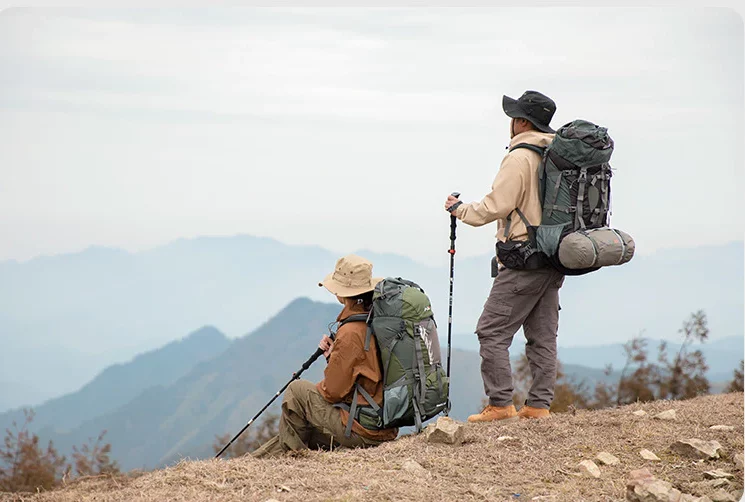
pixel 521 255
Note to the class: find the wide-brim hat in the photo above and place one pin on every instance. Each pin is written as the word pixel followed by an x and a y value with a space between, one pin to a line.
pixel 532 106
pixel 352 276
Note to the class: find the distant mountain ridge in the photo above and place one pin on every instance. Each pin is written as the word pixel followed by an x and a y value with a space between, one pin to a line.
pixel 80 313
pixel 117 385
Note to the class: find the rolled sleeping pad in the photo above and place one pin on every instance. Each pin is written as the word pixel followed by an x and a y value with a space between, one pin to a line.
pixel 596 247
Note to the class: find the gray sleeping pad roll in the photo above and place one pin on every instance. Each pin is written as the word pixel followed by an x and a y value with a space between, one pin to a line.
pixel 597 247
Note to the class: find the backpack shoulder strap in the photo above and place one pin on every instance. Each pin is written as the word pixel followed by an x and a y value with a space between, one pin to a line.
pixel 354 318
pixel 361 318
pixel 537 149
pixel 540 151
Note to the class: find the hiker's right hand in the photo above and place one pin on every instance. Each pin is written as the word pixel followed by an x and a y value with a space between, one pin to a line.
pixel 450 202
pixel 326 345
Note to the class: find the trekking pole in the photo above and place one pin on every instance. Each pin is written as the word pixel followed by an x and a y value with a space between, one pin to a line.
pixel 450 305
pixel 295 376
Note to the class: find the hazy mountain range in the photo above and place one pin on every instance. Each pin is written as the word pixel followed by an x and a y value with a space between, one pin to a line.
pixel 120 383
pixel 71 316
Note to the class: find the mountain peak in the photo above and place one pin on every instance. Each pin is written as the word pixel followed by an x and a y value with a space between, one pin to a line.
pixel 206 333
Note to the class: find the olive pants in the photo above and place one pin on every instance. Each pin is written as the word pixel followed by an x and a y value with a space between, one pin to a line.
pixel 527 298
pixel 309 421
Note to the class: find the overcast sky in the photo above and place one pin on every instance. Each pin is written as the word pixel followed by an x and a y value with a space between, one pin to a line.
pixel 346 128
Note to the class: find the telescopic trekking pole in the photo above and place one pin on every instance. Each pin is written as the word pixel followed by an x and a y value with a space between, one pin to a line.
pixel 295 376
pixel 450 303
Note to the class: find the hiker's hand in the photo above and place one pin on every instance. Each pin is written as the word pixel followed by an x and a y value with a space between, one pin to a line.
pixel 450 202
pixel 326 345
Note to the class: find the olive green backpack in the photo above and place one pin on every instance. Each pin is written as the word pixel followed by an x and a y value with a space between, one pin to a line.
pixel 415 383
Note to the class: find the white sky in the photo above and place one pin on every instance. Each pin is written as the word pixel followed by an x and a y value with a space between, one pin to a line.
pixel 347 128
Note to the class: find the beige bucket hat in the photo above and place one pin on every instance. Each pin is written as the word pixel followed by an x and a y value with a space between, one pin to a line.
pixel 351 277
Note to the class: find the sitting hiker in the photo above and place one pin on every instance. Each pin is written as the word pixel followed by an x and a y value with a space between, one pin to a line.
pixel 310 418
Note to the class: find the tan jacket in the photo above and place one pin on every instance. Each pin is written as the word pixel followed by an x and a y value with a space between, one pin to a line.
pixel 348 363
pixel 516 185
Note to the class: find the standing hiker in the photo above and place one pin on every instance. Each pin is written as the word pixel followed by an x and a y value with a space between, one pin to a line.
pixel 527 296
pixel 314 415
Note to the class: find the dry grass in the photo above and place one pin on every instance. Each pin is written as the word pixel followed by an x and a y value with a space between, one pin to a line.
pixel 539 464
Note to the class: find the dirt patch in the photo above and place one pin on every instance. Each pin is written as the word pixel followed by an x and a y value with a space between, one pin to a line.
pixel 540 463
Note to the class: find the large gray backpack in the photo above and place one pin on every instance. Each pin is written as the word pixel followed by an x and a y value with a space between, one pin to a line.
pixel 415 384
pixel 575 194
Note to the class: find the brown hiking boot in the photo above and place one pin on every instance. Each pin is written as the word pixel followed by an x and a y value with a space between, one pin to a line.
pixel 530 412
pixel 493 413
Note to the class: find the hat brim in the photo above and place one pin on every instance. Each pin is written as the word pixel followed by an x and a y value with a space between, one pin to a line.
pixel 512 109
pixel 347 291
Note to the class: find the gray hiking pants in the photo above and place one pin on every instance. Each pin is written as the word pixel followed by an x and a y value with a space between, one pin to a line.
pixel 527 298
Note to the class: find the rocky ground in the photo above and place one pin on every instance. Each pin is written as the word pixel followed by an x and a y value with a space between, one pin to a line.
pixel 693 452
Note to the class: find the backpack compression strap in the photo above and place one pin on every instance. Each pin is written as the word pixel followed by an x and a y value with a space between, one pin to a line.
pixel 353 409
pixel 509 222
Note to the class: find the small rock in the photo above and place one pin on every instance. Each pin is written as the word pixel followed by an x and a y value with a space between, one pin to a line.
pixel 588 468
pixel 606 458
pixel 738 460
pixel 643 487
pixel 719 483
pixel 721 495
pixel 639 413
pixel 722 428
pixel 666 415
pixel 446 431
pixel 282 488
pixel 640 475
pixel 697 448
pixel 648 455
pixel 271 500
pixel 505 438
pixel 414 468
pixel 717 474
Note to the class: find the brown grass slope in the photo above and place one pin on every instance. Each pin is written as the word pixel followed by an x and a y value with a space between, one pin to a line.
pixel 539 464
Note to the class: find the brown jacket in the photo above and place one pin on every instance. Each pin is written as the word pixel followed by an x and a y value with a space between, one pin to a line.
pixel 516 185
pixel 348 363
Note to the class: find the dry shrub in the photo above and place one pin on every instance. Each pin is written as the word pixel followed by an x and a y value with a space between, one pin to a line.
pixel 737 380
pixel 24 465
pixel 93 458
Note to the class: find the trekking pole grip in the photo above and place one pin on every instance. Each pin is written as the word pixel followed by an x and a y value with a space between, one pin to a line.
pixel 453 220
